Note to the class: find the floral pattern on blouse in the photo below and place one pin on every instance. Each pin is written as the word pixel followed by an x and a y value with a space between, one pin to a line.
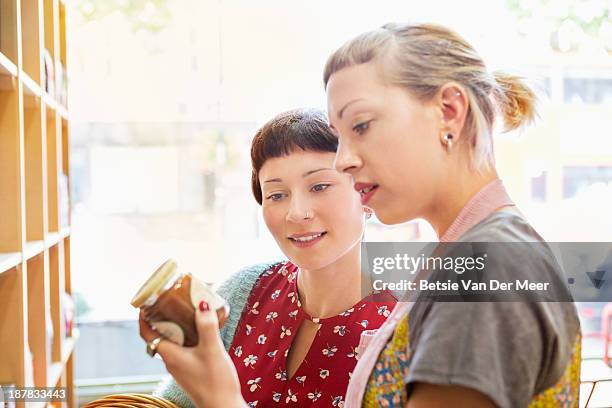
pixel 265 333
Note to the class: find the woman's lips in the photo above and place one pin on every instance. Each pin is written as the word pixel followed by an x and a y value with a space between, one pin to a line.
pixel 306 240
pixel 366 190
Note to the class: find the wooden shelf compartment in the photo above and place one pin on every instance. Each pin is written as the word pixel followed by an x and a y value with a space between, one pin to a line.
pixel 30 87
pixel 56 369
pixel 54 238
pixel 49 21
pixel 38 315
pixel 35 169
pixel 49 101
pixel 9 260
pixel 32 249
pixel 64 232
pixel 51 40
pixel 7 67
pixel 61 73
pixel 58 374
pixel 56 290
pixel 64 197
pixel 10 172
pixel 8 30
pixel 53 104
pixel 62 111
pixel 67 267
pixel 13 326
pixel 62 32
pixel 51 139
pixel 65 146
pixel 31 38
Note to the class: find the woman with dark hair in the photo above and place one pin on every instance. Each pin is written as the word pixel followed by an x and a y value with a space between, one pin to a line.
pixel 295 326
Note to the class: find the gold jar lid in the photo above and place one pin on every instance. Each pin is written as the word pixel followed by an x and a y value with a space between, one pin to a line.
pixel 155 284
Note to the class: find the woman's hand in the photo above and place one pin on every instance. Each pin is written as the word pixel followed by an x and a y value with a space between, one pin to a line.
pixel 205 372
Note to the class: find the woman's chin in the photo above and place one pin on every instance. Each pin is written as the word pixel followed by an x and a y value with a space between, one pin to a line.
pixel 312 263
pixel 391 217
pixel 308 265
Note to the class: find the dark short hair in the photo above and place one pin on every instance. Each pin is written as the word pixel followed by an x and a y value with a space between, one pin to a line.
pixel 305 129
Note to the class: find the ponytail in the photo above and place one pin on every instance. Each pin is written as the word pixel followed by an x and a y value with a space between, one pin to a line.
pixel 516 100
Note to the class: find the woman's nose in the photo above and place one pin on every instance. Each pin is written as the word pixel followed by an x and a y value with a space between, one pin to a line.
pixel 299 211
pixel 346 160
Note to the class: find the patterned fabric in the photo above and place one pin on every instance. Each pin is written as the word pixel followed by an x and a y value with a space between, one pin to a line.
pixel 566 392
pixel 386 387
pixel 264 336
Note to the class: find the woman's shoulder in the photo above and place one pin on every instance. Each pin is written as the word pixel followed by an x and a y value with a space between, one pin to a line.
pixel 237 289
pixel 245 278
pixel 502 226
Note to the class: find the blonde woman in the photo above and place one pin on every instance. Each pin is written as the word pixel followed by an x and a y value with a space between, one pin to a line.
pixel 414 107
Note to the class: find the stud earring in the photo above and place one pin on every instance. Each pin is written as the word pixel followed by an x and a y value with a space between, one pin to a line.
pixel 448 138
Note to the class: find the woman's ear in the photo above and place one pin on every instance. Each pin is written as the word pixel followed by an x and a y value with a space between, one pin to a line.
pixel 454 104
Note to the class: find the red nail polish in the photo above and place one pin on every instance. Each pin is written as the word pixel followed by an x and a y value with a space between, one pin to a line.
pixel 204 306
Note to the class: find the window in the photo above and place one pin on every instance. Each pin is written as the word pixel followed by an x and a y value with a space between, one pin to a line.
pixel 576 178
pixel 587 90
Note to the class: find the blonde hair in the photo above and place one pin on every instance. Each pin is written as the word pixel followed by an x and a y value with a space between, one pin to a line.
pixel 424 57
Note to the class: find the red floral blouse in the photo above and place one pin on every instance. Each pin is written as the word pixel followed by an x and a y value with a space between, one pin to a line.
pixel 264 335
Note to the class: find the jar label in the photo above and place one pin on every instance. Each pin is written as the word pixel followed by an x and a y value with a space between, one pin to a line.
pixel 171 331
pixel 200 291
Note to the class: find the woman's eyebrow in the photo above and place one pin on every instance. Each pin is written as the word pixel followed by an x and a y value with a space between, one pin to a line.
pixel 341 112
pixel 308 173
pixel 274 180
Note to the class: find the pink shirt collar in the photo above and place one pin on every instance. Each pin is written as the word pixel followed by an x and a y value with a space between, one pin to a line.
pixel 491 197
pixel 480 206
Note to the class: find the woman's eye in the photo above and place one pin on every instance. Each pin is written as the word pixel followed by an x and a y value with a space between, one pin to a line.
pixel 275 197
pixel 320 187
pixel 360 128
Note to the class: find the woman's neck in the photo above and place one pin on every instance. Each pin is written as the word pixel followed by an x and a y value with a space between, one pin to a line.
pixel 458 189
pixel 331 290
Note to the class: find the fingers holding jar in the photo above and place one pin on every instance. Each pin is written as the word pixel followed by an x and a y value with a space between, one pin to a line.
pixel 156 343
pixel 207 326
pixel 169 299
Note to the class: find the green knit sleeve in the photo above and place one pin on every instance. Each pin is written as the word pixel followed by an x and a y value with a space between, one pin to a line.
pixel 236 291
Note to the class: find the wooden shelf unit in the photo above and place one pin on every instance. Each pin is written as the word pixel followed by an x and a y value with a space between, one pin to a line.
pixel 34 231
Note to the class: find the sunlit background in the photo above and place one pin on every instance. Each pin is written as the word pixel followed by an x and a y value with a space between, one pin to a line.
pixel 165 96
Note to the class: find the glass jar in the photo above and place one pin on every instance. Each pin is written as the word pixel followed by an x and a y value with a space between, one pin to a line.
pixel 169 299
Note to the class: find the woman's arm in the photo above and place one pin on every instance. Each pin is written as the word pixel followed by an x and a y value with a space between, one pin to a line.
pixel 442 396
